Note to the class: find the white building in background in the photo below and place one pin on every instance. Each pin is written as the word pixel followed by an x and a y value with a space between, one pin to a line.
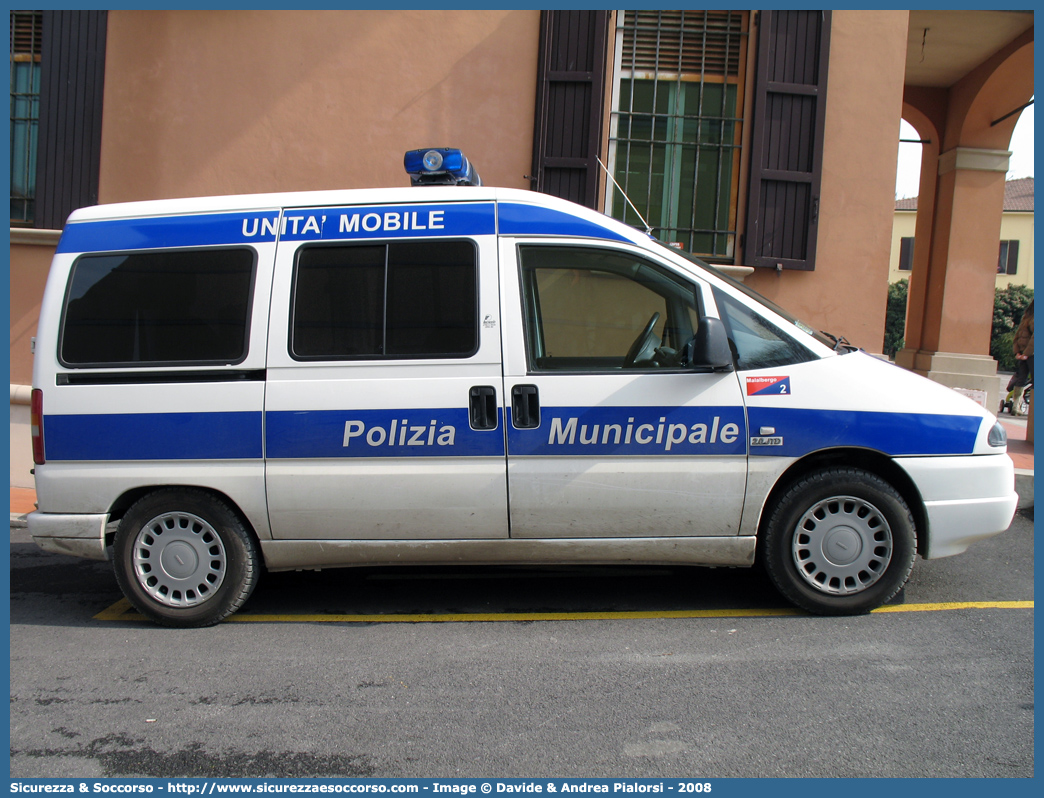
pixel 1015 254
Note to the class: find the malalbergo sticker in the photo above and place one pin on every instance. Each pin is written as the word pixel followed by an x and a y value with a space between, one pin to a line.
pixel 768 386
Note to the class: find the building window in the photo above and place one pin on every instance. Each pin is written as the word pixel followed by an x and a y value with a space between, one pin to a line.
pixel 1008 262
pixel 26 34
pixel 676 126
pixel 906 253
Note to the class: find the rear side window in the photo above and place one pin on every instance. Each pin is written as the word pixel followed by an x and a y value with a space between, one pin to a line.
pixel 146 308
pixel 397 300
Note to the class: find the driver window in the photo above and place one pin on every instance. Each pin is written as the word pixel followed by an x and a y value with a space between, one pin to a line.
pixel 599 310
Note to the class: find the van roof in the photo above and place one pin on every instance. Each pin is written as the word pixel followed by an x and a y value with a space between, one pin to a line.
pixel 521 212
pixel 598 225
pixel 333 198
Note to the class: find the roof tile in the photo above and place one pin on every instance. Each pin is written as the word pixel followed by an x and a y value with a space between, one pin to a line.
pixel 1018 196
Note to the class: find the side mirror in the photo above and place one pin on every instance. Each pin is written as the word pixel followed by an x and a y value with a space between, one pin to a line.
pixel 709 348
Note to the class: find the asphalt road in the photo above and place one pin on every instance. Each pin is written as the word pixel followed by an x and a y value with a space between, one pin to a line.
pixel 281 692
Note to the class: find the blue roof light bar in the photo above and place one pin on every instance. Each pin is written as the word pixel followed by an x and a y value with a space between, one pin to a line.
pixel 440 166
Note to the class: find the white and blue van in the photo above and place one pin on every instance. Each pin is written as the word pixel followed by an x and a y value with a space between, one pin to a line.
pixel 458 374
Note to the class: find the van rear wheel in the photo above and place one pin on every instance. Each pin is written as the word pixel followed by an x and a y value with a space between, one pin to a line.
pixel 184 558
pixel 840 541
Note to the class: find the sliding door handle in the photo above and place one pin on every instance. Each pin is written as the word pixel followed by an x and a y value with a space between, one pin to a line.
pixel 482 407
pixel 525 407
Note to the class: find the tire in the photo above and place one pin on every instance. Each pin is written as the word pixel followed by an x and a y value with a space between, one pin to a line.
pixel 184 558
pixel 1024 402
pixel 840 541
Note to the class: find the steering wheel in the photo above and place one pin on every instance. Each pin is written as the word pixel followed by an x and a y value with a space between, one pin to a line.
pixel 644 346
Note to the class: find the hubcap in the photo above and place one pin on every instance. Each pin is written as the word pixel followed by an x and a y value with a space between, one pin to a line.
pixel 842 545
pixel 179 559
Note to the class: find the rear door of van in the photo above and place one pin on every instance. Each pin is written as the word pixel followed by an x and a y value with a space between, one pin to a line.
pixel 151 357
pixel 382 412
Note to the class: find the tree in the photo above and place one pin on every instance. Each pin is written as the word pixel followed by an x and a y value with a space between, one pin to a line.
pixel 895 317
pixel 1009 304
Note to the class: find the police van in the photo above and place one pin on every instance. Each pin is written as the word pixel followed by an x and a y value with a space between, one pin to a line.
pixel 458 374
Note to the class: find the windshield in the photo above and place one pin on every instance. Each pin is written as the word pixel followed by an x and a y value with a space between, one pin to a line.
pixel 823 338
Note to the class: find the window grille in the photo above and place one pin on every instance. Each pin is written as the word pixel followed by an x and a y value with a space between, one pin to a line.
pixel 26 35
pixel 677 125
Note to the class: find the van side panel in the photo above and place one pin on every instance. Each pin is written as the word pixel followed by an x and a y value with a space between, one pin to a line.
pixel 369 414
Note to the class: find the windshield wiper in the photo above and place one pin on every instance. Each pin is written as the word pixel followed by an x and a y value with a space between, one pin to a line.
pixel 841 344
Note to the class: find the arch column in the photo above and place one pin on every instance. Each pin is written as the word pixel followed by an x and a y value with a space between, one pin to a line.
pixel 959 207
pixel 951 306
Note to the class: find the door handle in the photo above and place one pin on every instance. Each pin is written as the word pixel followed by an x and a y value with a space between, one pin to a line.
pixel 525 407
pixel 482 407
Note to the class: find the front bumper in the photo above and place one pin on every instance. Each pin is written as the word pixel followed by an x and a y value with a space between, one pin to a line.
pixel 967 498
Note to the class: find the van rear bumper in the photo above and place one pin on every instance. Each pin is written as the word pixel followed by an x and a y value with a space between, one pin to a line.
pixel 76 535
pixel 967 498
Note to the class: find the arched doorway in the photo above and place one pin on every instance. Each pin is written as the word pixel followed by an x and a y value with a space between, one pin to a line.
pixel 967 126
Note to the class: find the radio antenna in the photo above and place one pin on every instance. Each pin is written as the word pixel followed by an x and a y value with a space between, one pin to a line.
pixel 648 230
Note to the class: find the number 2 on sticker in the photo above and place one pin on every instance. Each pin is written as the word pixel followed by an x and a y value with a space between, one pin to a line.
pixel 783 388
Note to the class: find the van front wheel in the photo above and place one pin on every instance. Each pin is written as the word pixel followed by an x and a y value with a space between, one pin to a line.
pixel 183 558
pixel 840 541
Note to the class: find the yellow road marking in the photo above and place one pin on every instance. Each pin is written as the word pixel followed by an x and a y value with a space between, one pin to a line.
pixel 123 611
pixel 120 611
pixel 957 605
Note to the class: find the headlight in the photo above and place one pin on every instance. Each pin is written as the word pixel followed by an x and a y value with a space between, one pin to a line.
pixel 998 436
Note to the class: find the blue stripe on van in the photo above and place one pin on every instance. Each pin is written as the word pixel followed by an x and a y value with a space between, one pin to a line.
pixel 414 220
pixel 896 434
pixel 169 231
pixel 518 219
pixel 153 436
pixel 316 224
pixel 442 432
pixel 446 432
